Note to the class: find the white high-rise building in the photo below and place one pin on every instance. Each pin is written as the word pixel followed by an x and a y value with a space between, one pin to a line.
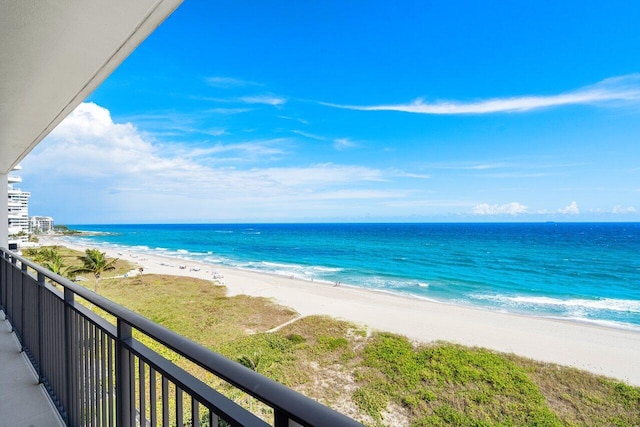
pixel 18 208
pixel 41 224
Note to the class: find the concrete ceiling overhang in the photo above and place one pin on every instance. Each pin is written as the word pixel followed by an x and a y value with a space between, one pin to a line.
pixel 54 53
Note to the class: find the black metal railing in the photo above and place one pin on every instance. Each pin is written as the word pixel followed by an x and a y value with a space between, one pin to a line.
pixel 98 374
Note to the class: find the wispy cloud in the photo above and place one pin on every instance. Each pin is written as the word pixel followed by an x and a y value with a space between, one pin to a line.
pixel 342 144
pixel 229 82
pixel 244 152
pixel 309 135
pixel 430 203
pixel 618 209
pixel 472 166
pixel 518 175
pixel 264 99
pixel 513 208
pixel 617 89
pixel 412 175
pixel 228 110
pixel 297 119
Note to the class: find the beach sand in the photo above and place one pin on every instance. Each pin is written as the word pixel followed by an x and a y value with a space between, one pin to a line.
pixel 605 351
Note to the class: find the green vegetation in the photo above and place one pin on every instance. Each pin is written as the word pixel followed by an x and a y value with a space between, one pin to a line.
pixel 380 379
pixel 96 263
pixel 63 229
pixel 51 258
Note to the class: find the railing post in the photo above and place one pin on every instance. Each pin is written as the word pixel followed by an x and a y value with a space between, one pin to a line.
pixel 280 419
pixel 123 376
pixel 10 292
pixel 68 354
pixel 3 278
pixel 23 332
pixel 40 323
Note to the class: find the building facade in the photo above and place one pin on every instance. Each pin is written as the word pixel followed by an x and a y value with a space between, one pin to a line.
pixel 18 205
pixel 41 224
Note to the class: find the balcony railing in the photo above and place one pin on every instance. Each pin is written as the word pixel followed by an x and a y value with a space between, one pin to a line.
pixel 98 374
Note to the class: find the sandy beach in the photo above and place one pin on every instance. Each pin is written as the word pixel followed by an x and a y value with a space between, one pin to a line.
pixel 606 351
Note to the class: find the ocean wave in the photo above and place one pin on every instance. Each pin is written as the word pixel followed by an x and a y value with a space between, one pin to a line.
pixel 214 260
pixel 277 264
pixel 604 323
pixel 326 269
pixel 610 304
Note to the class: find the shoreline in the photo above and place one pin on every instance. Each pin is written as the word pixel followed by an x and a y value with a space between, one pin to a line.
pixel 608 351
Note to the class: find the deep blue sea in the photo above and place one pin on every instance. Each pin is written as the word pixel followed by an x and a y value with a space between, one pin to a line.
pixel 588 272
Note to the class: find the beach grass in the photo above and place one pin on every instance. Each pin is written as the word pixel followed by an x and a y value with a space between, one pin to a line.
pixel 378 378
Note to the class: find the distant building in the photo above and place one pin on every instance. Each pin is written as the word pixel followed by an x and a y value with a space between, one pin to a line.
pixel 41 224
pixel 18 208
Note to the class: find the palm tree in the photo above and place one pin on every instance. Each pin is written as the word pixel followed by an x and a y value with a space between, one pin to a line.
pixel 51 259
pixel 56 265
pixel 95 262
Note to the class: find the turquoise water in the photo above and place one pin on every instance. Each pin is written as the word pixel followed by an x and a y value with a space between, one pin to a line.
pixel 576 271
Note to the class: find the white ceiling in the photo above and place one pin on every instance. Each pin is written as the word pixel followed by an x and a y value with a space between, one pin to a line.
pixel 53 53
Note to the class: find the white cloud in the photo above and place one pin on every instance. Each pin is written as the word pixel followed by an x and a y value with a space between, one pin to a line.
pixel 622 210
pixel 242 152
pixel 617 89
pixel 341 144
pixel 572 209
pixel 412 175
pixel 264 99
pixel 228 111
pixel 229 82
pixel 100 170
pixel 472 166
pixel 297 119
pixel 309 135
pixel 513 208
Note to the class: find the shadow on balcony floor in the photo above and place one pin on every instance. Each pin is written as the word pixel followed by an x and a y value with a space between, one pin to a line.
pixel 23 402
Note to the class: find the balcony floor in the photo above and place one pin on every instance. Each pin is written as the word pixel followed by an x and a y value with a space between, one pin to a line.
pixel 23 402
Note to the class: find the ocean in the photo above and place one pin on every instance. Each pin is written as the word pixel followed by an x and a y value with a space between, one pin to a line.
pixel 585 272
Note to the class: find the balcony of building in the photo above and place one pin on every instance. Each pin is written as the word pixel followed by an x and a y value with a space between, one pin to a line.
pixel 96 370
pixel 54 54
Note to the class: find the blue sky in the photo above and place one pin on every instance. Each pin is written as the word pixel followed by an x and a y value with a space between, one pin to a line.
pixel 242 111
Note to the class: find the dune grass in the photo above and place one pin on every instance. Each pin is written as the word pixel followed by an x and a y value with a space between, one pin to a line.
pixel 380 379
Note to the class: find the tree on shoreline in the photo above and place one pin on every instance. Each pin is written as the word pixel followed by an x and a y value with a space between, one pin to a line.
pixel 50 258
pixel 95 262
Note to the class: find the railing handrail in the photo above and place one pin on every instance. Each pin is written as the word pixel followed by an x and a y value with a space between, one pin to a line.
pixel 296 406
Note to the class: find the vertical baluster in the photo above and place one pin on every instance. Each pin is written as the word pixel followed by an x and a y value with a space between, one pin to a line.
pixel 280 419
pixel 84 375
pixel 41 314
pixel 91 404
pixel 112 398
pixel 132 389
pixel 213 419
pixel 96 372
pixel 23 331
pixel 103 374
pixel 165 402
pixel 143 393
pixel 68 356
pixel 123 376
pixel 195 413
pixel 179 412
pixel 153 398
